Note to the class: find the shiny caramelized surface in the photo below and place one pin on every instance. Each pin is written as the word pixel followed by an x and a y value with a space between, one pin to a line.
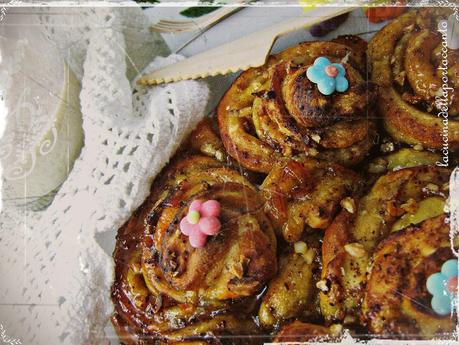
pixel 304 192
pixel 168 292
pixel 274 111
pixel 310 242
pixel 402 263
pixel 395 197
pixel 405 57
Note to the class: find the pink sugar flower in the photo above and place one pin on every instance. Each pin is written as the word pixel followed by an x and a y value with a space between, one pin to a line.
pixel 201 221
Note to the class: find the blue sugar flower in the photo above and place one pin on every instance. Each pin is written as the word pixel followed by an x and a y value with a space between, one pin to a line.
pixel 328 76
pixel 443 287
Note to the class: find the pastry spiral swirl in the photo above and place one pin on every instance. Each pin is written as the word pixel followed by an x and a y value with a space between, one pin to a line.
pixel 398 200
pixel 418 79
pixel 234 264
pixel 275 111
pixel 304 193
pixel 166 291
pixel 396 301
pixel 300 332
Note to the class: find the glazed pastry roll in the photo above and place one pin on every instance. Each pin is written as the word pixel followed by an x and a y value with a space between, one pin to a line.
pixel 300 332
pixel 365 244
pixel 168 291
pixel 233 264
pixel 146 313
pixel 293 293
pixel 418 76
pixel 303 194
pixel 276 111
pixel 396 300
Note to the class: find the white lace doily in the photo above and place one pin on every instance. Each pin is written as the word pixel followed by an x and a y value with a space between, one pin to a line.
pixel 55 277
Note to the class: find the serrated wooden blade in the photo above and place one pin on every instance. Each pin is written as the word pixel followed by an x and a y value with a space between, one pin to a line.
pixel 241 54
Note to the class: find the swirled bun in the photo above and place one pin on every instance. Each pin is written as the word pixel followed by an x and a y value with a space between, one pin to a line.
pixel 167 292
pixel 304 193
pixel 396 299
pixel 301 332
pixel 406 58
pixel 397 200
pixel 292 294
pixel 236 263
pixel 274 111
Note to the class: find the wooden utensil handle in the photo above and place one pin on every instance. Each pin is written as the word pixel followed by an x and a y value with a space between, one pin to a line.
pixel 314 16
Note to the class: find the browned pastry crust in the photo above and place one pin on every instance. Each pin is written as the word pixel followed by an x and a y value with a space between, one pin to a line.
pixel 276 170
pixel 234 264
pixel 397 303
pixel 304 193
pixel 396 200
pixel 165 291
pixel 292 294
pixel 303 332
pixel 405 59
pixel 274 111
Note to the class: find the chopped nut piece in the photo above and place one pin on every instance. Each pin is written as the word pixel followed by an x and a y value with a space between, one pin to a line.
pixel 336 329
pixel 378 166
pixel 388 147
pixel 316 137
pixel 349 319
pixel 418 147
pixel 432 187
pixel 400 78
pixel 322 285
pixel 355 249
pixel 348 204
pixel 411 206
pixel 220 155
pixel 300 247
pixel 445 186
pixel 313 152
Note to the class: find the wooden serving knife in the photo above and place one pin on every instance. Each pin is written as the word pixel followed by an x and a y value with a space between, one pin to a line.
pixel 241 54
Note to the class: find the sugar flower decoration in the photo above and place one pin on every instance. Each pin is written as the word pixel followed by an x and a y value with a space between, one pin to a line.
pixel 201 221
pixel 443 286
pixel 329 77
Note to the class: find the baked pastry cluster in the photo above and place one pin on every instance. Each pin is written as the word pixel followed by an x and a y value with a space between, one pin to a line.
pixel 275 111
pixel 419 79
pixel 312 203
